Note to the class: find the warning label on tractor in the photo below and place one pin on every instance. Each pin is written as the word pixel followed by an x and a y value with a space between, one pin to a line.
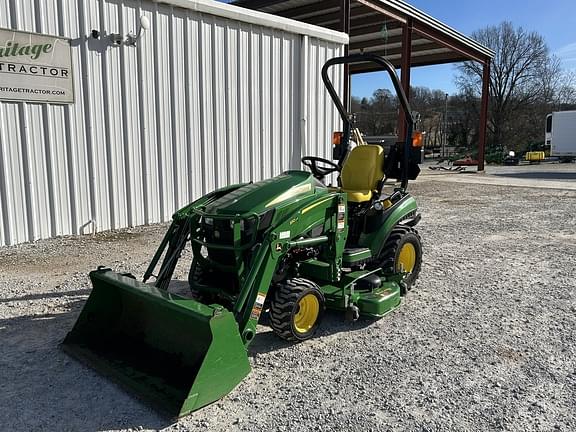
pixel 257 309
pixel 35 68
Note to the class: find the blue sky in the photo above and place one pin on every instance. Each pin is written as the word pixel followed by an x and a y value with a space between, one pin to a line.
pixel 554 19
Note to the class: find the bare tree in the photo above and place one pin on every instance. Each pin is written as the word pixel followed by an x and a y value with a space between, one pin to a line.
pixel 521 64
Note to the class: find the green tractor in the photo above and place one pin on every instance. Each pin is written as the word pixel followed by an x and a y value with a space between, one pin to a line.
pixel 285 248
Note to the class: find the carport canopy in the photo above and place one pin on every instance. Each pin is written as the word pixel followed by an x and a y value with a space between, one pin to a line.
pixel 401 33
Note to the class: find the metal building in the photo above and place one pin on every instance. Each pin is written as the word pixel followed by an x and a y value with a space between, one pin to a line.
pixel 211 94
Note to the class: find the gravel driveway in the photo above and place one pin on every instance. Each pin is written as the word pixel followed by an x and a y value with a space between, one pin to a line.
pixel 486 340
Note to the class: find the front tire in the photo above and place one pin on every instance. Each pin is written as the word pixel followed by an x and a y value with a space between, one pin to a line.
pixel 296 309
pixel 402 252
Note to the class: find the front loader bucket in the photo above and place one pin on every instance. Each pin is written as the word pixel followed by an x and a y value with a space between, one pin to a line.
pixel 174 352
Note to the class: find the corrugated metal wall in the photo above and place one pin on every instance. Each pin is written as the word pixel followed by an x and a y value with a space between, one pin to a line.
pixel 203 101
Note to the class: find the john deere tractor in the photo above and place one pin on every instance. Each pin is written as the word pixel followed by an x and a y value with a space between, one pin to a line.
pixel 286 248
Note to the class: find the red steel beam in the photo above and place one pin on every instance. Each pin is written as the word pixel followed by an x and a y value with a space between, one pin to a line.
pixel 425 60
pixel 381 8
pixel 484 114
pixel 379 41
pixel 400 50
pixel 433 34
pixel 374 28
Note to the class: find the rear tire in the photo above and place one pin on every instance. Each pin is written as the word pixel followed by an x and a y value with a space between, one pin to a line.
pixel 296 309
pixel 403 252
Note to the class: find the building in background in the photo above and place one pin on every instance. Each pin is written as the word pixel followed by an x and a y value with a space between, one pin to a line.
pixel 119 130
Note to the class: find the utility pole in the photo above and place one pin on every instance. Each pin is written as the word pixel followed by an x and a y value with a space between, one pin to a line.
pixel 445 140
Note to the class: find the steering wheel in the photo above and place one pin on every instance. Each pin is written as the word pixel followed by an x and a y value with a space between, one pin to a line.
pixel 320 167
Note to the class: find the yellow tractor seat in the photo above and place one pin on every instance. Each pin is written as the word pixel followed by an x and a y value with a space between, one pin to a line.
pixel 362 171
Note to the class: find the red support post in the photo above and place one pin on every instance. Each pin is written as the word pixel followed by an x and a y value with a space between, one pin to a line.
pixel 345 27
pixel 484 114
pixel 405 73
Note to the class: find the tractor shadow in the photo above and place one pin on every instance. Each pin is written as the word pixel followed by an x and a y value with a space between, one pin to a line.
pixel 267 341
pixel 42 388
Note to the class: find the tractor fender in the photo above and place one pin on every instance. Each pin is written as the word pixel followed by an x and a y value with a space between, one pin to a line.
pixel 404 209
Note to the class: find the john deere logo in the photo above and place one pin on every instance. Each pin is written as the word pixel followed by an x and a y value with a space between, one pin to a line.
pixel 11 49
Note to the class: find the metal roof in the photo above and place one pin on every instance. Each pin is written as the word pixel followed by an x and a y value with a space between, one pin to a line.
pixel 376 27
pixel 258 18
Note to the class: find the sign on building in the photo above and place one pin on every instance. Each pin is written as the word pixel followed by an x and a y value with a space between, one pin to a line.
pixel 35 68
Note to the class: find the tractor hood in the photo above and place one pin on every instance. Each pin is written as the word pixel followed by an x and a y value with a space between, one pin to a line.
pixel 267 194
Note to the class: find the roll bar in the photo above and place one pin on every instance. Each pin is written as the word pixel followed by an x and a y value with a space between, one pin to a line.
pixel 362 58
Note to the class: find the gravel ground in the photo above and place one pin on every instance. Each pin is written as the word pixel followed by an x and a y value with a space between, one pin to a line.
pixel 486 340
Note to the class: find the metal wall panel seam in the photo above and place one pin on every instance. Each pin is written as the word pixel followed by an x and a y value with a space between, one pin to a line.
pixel 258 171
pixel 136 182
pixel 230 65
pixel 187 77
pixel 126 121
pixel 54 138
pixel 97 89
pixel 254 112
pixel 227 117
pixel 202 96
pixel 304 99
pixel 16 185
pixel 287 118
pixel 68 170
pixel 26 141
pixel 217 104
pixel 265 105
pixel 283 103
pixel 54 213
pixel 159 109
pixel 241 84
pixel 117 101
pixel 17 224
pixel 207 84
pixel 144 115
pixel 61 217
pixel 233 124
pixel 275 102
pixel 26 164
pixel 5 219
pixel 47 141
pixel 166 124
pixel 179 123
pixel 5 199
pixel 5 213
pixel 174 172
pixel 192 109
pixel 107 99
pixel 88 118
